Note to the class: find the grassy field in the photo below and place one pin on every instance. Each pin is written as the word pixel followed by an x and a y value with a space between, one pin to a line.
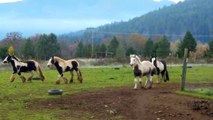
pixel 14 96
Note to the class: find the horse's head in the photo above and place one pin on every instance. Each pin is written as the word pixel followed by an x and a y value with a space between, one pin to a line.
pixel 51 61
pixel 133 60
pixel 7 59
pixel 153 60
pixel 10 58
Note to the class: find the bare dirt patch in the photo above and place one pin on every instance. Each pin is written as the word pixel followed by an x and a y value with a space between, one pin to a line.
pixel 158 103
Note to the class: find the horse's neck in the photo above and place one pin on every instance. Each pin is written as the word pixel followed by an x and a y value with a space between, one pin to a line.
pixel 138 60
pixel 60 59
pixel 18 63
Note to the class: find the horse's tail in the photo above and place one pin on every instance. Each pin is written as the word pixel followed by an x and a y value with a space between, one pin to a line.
pixel 41 73
pixel 167 75
pixel 80 75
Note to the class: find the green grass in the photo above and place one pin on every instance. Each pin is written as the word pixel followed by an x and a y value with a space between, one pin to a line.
pixel 200 93
pixel 14 96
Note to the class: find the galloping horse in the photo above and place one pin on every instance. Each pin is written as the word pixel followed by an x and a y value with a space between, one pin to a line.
pixel 144 68
pixel 19 66
pixel 161 69
pixel 64 66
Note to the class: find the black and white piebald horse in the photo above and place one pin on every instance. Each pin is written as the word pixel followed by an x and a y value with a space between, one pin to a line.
pixel 161 69
pixel 64 66
pixel 19 67
pixel 144 68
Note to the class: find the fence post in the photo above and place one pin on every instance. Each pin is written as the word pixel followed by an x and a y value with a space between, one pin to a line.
pixel 183 78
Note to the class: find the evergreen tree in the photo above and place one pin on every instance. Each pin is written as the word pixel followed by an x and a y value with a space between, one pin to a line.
pixel 148 48
pixel 130 50
pixel 163 47
pixel 3 52
pixel 209 52
pixel 103 48
pixel 47 46
pixel 80 50
pixel 28 49
pixel 113 46
pixel 188 42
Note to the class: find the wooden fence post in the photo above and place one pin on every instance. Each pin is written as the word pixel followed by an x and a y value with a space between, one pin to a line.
pixel 183 78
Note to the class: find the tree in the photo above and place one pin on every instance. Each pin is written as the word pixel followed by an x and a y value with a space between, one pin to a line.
pixel 28 49
pixel 130 50
pixel 188 42
pixel 47 46
pixel 163 47
pixel 103 48
pixel 3 52
pixel 113 45
pixel 209 52
pixel 15 39
pixel 80 50
pixel 13 36
pixel 148 48
pixel 137 41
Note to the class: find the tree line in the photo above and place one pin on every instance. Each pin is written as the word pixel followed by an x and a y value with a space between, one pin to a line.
pixel 39 47
pixel 43 46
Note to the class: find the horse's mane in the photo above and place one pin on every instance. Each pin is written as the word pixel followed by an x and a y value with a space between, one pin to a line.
pixel 16 58
pixel 58 59
pixel 138 58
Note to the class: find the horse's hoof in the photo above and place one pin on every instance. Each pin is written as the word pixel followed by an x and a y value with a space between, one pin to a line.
pixel 57 82
pixel 134 89
pixel 71 81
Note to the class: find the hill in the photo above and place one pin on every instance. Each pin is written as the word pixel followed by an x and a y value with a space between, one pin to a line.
pixel 173 21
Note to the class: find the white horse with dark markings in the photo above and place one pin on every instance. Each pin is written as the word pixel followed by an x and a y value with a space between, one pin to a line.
pixel 64 66
pixel 19 67
pixel 144 68
pixel 161 69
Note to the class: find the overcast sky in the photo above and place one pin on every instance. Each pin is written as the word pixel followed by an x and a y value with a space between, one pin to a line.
pixel 62 16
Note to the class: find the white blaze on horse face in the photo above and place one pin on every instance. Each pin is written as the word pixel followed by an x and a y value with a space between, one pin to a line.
pixel 49 62
pixel 5 60
pixel 153 59
pixel 132 61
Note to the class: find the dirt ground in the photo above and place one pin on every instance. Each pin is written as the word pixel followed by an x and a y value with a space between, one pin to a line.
pixel 158 103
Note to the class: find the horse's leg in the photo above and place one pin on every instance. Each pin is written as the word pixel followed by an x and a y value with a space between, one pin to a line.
pixel 12 77
pixel 158 81
pixel 136 83
pixel 167 75
pixel 79 75
pixel 146 82
pixel 149 82
pixel 58 79
pixel 71 80
pixel 65 80
pixel 163 76
pixel 22 77
pixel 140 81
pixel 31 76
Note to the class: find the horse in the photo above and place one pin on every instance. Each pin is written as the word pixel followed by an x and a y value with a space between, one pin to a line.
pixel 64 66
pixel 140 69
pixel 161 68
pixel 19 67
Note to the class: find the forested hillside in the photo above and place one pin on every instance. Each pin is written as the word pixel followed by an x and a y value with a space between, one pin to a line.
pixel 173 21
